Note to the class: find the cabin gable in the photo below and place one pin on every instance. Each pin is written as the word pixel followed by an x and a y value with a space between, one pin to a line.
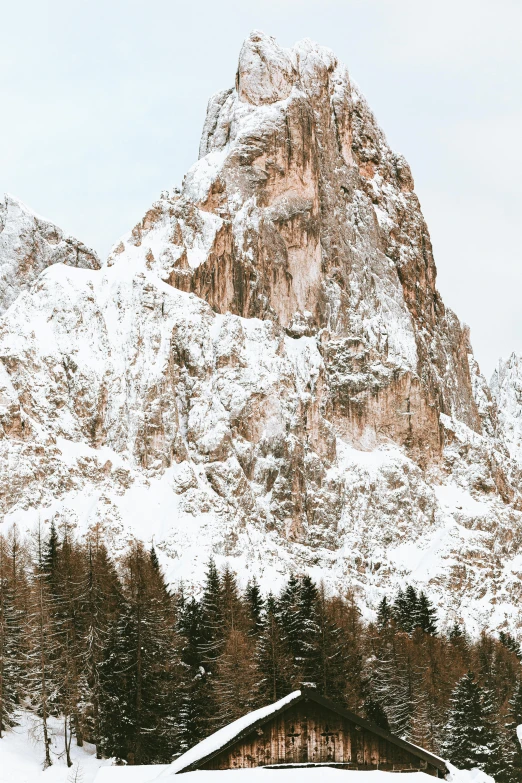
pixel 309 733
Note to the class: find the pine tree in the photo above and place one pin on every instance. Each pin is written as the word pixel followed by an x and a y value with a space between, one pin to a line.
pixel 39 675
pixel 403 611
pixel 9 647
pixel 312 657
pixel 469 741
pixel 49 563
pixel 139 675
pixel 65 582
pixel 255 606
pixel 425 616
pixel 393 680
pixel 101 597
pixel 195 689
pixel 297 616
pixel 384 614
pixel 406 609
pixel 510 643
pixel 329 655
pixel 145 673
pixel 272 656
pixel 232 608
pixel 512 744
pixel 289 620
pixel 347 616
pixel 213 621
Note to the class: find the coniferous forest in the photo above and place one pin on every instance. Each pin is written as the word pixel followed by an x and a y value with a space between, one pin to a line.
pixel 144 672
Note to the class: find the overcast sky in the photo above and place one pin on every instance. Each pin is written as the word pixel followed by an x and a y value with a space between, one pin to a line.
pixel 102 104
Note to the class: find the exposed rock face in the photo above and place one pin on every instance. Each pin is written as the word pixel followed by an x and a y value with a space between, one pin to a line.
pixel 265 368
pixel 309 219
pixel 28 245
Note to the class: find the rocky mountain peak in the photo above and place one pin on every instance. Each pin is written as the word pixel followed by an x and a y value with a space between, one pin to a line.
pixel 264 368
pixel 299 212
pixel 265 72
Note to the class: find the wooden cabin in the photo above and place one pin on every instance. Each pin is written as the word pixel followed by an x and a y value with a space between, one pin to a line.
pixel 304 729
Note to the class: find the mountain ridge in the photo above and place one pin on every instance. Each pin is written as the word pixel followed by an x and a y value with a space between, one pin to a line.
pixel 264 368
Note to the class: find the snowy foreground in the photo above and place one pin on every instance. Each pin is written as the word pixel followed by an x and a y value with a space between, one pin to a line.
pixel 21 756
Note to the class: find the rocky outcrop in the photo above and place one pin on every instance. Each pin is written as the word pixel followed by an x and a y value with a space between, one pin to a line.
pixel 298 211
pixel 264 367
pixel 28 245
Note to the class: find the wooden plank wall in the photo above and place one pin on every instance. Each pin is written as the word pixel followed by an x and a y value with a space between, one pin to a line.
pixel 309 734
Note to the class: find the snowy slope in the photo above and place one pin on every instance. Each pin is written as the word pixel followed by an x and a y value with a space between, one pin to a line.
pixel 22 755
pixel 264 368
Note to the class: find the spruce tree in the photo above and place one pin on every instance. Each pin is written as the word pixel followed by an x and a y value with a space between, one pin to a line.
pixel 297 613
pixel 312 657
pixel 407 609
pixel 346 614
pixel 68 635
pixel 255 606
pixel 232 608
pixel 40 679
pixel 510 643
pixel 469 741
pixel 403 611
pixel 196 700
pixel 456 633
pixel 512 745
pixel 101 599
pixel 289 619
pixel 140 672
pixel 393 681
pixel 329 655
pixel 114 723
pixel 494 765
pixel 9 645
pixel 213 634
pixel 384 614
pixel 49 557
pixel 425 616
pixel 272 656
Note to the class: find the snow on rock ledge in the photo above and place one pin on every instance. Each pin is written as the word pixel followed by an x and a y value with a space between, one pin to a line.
pixel 28 245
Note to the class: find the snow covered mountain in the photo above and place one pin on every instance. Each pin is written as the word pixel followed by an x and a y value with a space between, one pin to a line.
pixel 264 368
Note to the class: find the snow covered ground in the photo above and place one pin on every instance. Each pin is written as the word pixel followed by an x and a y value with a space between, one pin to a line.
pixel 21 761
pixel 289 775
pixel 22 755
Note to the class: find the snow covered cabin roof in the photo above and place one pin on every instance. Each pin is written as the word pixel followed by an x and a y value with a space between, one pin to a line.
pixel 227 736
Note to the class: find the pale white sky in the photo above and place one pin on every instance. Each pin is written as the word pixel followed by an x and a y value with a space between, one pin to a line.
pixel 102 104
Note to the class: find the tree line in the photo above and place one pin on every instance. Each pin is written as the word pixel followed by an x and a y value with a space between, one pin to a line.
pixel 144 671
